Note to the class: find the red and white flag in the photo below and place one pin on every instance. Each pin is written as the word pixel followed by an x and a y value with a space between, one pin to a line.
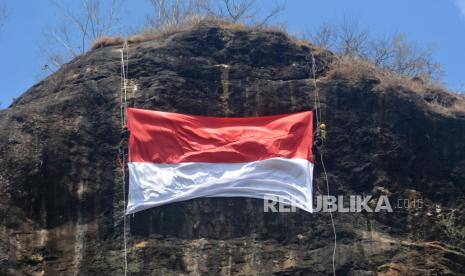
pixel 175 157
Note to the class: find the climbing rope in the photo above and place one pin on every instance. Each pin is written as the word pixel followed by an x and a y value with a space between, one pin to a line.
pixel 124 83
pixel 330 214
pixel 317 107
pixel 122 161
pixel 317 102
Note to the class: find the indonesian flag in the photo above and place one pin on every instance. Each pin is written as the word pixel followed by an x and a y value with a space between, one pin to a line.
pixel 175 157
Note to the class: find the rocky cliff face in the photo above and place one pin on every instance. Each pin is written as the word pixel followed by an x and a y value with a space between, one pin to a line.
pixel 61 188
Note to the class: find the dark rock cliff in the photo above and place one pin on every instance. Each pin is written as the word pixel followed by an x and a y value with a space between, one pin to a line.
pixel 61 187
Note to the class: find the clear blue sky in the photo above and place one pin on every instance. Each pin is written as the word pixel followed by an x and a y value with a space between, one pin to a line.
pixel 438 22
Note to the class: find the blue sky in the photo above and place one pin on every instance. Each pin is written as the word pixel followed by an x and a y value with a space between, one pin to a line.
pixel 437 22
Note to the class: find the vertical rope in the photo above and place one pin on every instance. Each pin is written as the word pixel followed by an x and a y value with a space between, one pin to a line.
pixel 127 57
pixel 317 105
pixel 124 217
pixel 317 102
pixel 123 109
pixel 330 214
pixel 126 78
pixel 124 82
pixel 121 95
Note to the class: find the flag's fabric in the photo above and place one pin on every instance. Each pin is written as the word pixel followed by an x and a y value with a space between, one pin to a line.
pixel 175 157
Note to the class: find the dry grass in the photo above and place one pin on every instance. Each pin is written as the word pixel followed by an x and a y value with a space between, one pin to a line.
pixel 189 24
pixel 359 70
pixel 355 70
pixel 166 31
pixel 437 97
pixel 106 41
pixel 139 38
pixel 154 34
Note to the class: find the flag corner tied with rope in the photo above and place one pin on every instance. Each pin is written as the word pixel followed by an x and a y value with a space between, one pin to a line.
pixel 176 157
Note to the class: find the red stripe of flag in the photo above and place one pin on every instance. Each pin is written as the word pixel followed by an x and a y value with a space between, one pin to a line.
pixel 170 138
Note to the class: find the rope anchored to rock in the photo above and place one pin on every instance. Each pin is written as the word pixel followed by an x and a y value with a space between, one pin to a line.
pixel 124 137
pixel 321 136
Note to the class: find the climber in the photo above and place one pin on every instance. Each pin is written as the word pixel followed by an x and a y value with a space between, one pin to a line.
pixel 125 133
pixel 322 132
pixel 320 136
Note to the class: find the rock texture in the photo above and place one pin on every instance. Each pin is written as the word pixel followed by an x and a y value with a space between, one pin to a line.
pixel 61 187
